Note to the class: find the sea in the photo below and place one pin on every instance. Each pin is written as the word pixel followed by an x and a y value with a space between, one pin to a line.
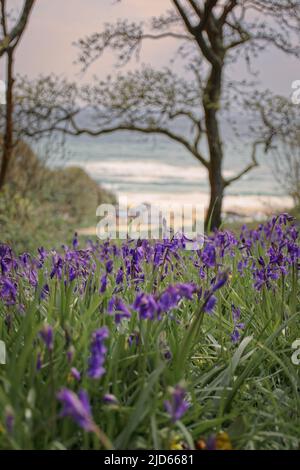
pixel 153 169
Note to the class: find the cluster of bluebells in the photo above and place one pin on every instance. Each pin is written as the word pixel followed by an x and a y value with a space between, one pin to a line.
pixel 77 407
pixel 278 239
pixel 177 405
pixel 46 334
pixel 142 279
pixel 124 265
pixel 98 353
pixel 238 326
pixel 152 306
pixel 267 253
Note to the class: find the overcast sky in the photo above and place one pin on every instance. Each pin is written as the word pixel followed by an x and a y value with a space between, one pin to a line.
pixel 55 24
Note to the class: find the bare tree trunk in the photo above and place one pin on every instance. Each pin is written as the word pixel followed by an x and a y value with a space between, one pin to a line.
pixel 211 100
pixel 8 134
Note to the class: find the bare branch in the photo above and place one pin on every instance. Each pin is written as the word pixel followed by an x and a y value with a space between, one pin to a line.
pixel 11 39
pixel 184 16
pixel 207 14
pixel 144 130
pixel 228 8
pixel 146 102
pixel 251 166
pixel 3 17
pixel 125 39
pixel 196 8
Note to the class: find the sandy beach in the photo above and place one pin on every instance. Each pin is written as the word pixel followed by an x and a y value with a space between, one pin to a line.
pixel 236 208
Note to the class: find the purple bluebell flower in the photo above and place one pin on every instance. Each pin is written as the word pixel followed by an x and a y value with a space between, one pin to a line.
pixel 242 265
pixel 117 307
pixel 103 284
pixel 98 353
pixel 75 374
pixel 236 313
pixel 238 326
pixel 177 405
pixel 109 266
pixel 75 241
pixel 39 362
pixel 284 218
pixel 110 399
pixel 8 291
pixel 209 255
pixel 25 258
pixel 147 307
pixel 32 277
pixel 173 294
pixel 6 259
pixel 77 407
pixel 158 254
pixel 168 355
pixel 211 443
pixel 72 274
pixel 42 254
pixel 151 307
pixel 46 334
pixel 220 281
pixel 9 420
pixel 120 276
pixel 235 336
pixel 202 274
pixel 186 290
pixel 57 266
pixel 209 304
pixel 134 338
pixel 45 291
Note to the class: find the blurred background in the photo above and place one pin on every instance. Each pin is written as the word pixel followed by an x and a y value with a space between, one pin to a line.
pixel 110 98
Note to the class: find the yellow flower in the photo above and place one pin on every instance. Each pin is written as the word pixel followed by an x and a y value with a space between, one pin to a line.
pixel 70 378
pixel 175 443
pixel 176 446
pixel 223 441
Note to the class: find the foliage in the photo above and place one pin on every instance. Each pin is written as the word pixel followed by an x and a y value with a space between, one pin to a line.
pixel 40 206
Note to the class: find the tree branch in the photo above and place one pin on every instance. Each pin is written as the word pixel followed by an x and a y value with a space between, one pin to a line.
pixel 18 29
pixel 75 130
pixel 196 8
pixel 168 34
pixel 145 130
pixel 228 8
pixel 196 31
pixel 184 16
pixel 209 5
pixel 3 18
pixel 253 164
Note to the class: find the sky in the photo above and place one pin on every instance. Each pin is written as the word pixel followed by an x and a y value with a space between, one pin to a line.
pixel 47 46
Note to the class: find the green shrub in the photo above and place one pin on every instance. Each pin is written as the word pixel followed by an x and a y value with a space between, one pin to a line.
pixel 41 206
